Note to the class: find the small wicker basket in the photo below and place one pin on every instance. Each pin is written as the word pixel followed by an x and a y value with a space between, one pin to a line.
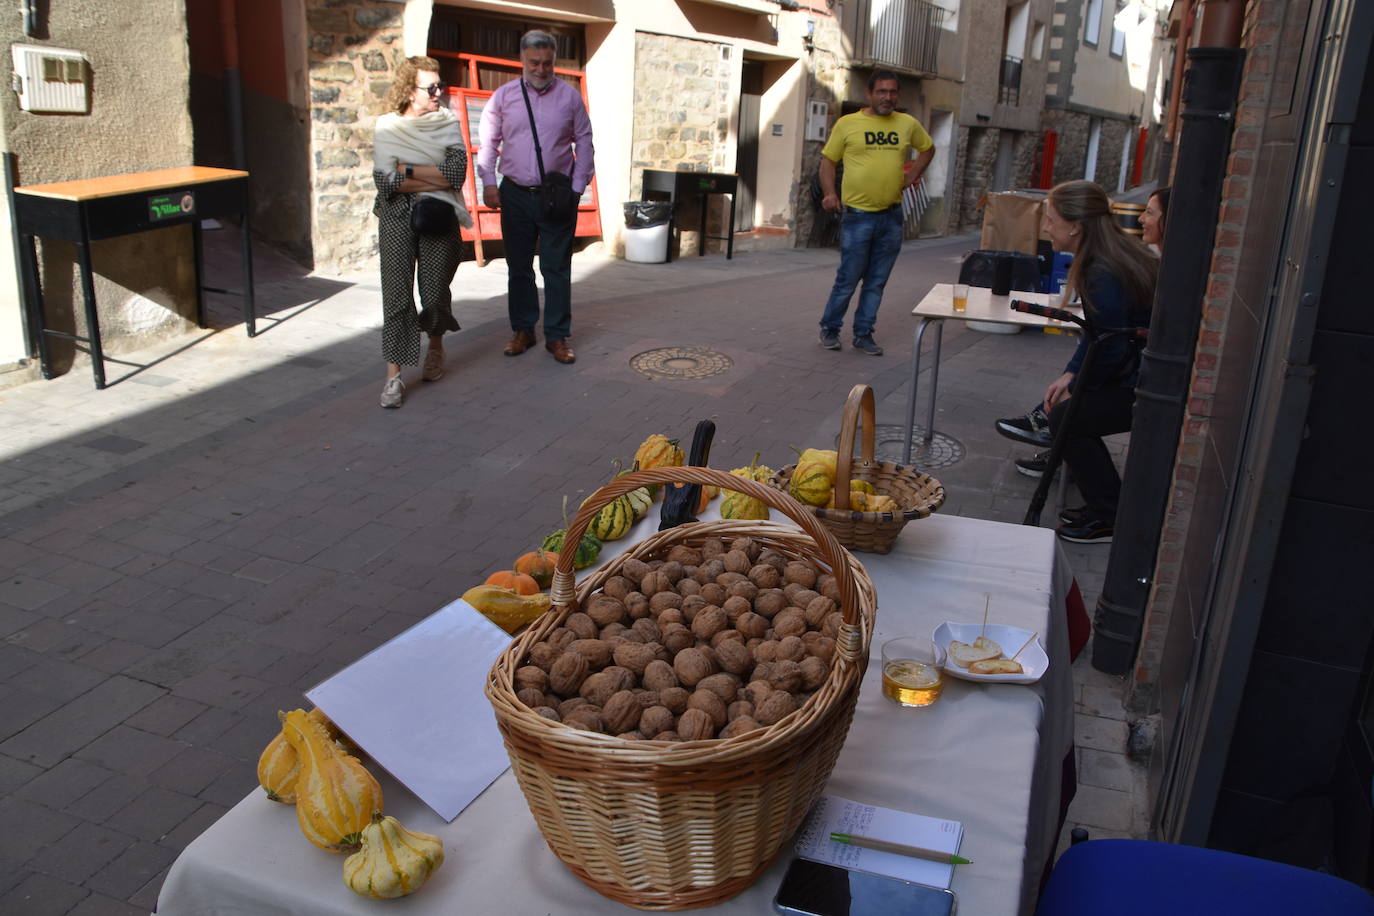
pixel 676 825
pixel 915 491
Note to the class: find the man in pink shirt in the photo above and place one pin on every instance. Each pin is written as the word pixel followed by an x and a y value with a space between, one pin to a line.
pixel 565 139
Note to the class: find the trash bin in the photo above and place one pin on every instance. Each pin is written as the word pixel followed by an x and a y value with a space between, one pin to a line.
pixel 646 230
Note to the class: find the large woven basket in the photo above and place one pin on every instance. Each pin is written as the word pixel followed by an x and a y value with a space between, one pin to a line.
pixel 915 491
pixel 675 825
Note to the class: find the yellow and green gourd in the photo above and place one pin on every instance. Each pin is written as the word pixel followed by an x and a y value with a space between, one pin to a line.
pixel 393 861
pixel 335 794
pixel 736 505
pixel 812 483
pixel 614 520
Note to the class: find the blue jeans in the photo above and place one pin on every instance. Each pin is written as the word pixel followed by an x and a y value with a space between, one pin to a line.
pixel 869 244
pixel 523 228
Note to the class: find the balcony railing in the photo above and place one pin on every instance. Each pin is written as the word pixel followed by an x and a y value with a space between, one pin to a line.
pixel 898 34
pixel 1009 81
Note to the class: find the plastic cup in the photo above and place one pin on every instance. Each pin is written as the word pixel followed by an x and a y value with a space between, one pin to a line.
pixel 960 297
pixel 913 672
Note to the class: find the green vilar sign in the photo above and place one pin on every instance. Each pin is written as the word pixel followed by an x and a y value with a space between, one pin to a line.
pixel 171 206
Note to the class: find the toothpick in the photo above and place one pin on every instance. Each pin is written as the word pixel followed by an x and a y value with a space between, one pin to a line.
pixel 987 600
pixel 1024 644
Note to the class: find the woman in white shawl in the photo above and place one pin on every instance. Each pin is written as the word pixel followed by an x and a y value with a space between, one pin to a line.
pixel 418 153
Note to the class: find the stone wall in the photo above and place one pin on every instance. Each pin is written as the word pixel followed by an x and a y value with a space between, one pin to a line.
pixel 980 163
pixel 826 84
pixel 353 50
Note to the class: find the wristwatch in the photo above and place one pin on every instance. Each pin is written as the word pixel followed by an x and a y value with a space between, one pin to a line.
pixel 410 171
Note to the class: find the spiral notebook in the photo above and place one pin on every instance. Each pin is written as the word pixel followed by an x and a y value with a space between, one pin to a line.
pixel 833 814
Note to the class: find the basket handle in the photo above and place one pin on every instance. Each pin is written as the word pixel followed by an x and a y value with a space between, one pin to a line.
pixel 563 590
pixel 858 406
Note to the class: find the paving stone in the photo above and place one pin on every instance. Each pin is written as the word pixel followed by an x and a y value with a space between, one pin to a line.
pixel 200 820
pixel 81 853
pixel 66 730
pixel 1099 733
pixel 219 688
pixel 42 895
pixel 65 783
pixel 27 593
pixel 101 803
pixel 165 715
pixel 1106 770
pixel 1094 806
pixel 60 680
pixel 101 905
pixel 30 826
pixel 15 774
pixel 131 870
pixel 128 750
pixel 193 769
pixel 155 813
pixel 1102 701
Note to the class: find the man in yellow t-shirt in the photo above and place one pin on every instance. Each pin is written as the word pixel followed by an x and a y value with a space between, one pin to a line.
pixel 873 145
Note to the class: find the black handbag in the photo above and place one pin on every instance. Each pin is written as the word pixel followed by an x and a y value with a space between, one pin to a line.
pixel 432 216
pixel 557 199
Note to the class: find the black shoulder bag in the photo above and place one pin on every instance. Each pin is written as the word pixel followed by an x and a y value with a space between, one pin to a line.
pixel 557 199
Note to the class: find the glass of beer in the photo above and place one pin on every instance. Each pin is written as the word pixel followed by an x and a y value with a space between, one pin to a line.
pixel 960 297
pixel 912 671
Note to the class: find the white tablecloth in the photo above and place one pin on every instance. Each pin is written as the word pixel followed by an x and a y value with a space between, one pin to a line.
pixel 987 755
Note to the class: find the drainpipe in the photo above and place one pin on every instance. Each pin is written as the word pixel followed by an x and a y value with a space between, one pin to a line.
pixel 233 86
pixel 1213 83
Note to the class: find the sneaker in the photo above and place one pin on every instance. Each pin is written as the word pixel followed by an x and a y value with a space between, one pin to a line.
pixel 1034 466
pixel 1033 428
pixel 830 338
pixel 1074 517
pixel 867 344
pixel 1090 531
pixel 434 365
pixel 393 392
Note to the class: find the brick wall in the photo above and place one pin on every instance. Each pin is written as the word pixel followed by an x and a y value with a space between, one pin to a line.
pixel 354 47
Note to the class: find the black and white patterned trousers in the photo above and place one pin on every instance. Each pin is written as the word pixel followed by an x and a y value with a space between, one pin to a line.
pixel 401 250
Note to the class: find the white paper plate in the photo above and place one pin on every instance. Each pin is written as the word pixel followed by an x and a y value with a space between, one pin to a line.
pixel 1034 661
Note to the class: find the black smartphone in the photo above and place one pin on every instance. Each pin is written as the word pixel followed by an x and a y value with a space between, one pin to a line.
pixel 816 889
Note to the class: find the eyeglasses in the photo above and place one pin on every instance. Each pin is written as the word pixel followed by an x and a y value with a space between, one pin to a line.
pixel 434 91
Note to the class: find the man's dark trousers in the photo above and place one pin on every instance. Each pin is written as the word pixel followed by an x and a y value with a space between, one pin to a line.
pixel 522 229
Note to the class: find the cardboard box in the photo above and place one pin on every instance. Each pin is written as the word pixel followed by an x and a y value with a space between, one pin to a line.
pixel 1011 220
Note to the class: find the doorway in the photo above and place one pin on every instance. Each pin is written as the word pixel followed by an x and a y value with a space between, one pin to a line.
pixel 747 152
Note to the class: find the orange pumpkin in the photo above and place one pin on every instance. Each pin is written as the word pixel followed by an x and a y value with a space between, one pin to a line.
pixel 517 582
pixel 538 565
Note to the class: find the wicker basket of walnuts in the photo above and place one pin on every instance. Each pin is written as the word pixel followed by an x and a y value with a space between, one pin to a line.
pixel 672 719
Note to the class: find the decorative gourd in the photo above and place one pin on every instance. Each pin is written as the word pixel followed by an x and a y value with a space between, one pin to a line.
pixel 335 794
pixel 812 484
pixel 658 451
pixel 587 550
pixel 393 861
pixel 739 506
pixel 538 565
pixel 613 520
pixel 279 767
pixel 517 582
pixel 504 607
pixel 860 491
pixel 827 458
pixel 640 502
pixel 857 484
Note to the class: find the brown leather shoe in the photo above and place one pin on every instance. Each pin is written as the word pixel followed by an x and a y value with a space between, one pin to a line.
pixel 519 343
pixel 560 350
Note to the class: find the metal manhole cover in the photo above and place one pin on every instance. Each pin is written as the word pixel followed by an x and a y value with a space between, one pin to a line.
pixel 680 363
pixel 942 452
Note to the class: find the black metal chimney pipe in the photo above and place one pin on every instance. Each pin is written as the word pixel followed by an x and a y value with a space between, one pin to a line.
pixel 1209 96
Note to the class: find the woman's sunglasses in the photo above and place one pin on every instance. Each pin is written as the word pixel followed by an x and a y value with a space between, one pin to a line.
pixel 434 91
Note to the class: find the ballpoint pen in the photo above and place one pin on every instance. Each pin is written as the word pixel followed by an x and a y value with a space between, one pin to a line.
pixel 946 858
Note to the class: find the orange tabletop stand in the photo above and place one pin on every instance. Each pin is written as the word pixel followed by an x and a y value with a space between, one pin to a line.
pixel 92 209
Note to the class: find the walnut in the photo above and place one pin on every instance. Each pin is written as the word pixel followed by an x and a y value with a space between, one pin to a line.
pixel 746 590
pixel 798 595
pixel 723 685
pixel 765 576
pixel 627 634
pixel 801 573
pixel 823 647
pixel 688 586
pixel 790 622
pixel 751 625
pixel 814 672
pixel 530 697
pixel 636 605
pixel 673 570
pixel 786 675
pixel 762 671
pixel 548 712
pixel 612 630
pixel 676 638
pixel 621 712
pixel 687 556
pixel 604 609
pixel 675 698
pixel 691 604
pixel 735 658
pixel 634 656
pixel 756 692
pixel 560 638
pixel 816 609
pixel 828 586
pixel 618 587
pixel 695 725
pixel 707 571
pixel 633 735
pixel 714 593
pixel 568 673
pixel 736 605
pixel 691 665
pixel 670 615
pixel 778 704
pixel 621 678
pixel 751 548
pixel 655 582
pixel 668 736
pixel 708 622
pixel 582 626
pixel 634 570
pixel 710 703
pixel 648 629
pixel 663 600
pixel 791 648
pixel 655 719
pixel 531 676
pixel 658 675
pixel 769 602
pixel 596 651
pixel 544 655
pixel 712 547
pixel 597 688
pixel 766 651
pixel 830 626
pixel 727 579
pixel 774 559
pixel 737 561
pixel 587 718
pixel 737 709
pixel 729 635
pixel 741 726
pixel 570 704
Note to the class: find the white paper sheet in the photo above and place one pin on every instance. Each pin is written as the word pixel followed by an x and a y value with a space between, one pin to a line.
pixel 446 749
pixel 833 814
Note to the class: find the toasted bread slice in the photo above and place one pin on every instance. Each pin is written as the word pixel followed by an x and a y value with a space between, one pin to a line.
pixel 996 666
pixel 964 654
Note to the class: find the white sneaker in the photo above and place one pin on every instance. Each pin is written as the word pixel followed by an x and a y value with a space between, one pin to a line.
pixel 393 392
pixel 434 365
